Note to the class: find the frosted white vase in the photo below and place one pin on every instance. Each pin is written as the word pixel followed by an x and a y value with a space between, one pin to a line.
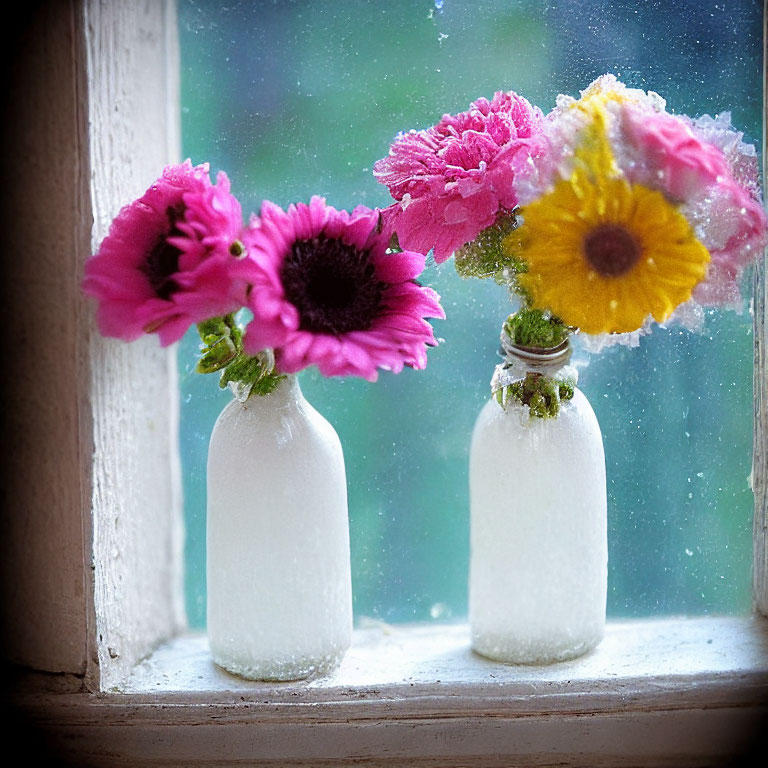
pixel 538 563
pixel 279 597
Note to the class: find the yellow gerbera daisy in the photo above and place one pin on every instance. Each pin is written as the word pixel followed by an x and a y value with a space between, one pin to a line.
pixel 603 254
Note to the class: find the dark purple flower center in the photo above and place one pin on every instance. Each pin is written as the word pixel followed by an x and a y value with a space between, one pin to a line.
pixel 163 259
pixel 332 284
pixel 610 250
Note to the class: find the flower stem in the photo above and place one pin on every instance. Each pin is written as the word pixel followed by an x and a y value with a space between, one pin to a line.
pixel 222 350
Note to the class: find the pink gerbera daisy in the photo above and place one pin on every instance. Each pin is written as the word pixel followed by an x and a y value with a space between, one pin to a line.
pixel 451 180
pixel 325 290
pixel 164 264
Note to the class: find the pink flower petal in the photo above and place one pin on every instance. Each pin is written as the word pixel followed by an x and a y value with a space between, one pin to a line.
pixel 399 267
pixel 163 265
pixel 387 341
pixel 450 179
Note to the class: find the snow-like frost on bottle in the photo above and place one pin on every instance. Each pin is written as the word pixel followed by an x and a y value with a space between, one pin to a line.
pixel 538 531
pixel 279 596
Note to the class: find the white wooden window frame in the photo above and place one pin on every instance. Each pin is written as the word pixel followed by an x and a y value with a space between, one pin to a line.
pixel 92 594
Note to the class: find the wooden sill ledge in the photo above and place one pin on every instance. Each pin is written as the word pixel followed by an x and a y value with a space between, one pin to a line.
pixel 655 692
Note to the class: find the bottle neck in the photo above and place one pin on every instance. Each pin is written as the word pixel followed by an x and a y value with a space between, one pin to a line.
pixel 285 392
pixel 520 360
pixel 538 378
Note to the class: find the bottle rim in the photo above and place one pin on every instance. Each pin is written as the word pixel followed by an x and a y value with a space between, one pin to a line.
pixel 536 354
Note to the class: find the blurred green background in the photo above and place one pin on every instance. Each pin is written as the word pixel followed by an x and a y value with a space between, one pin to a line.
pixel 294 98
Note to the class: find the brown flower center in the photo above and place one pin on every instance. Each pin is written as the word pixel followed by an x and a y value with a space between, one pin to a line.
pixel 611 251
pixel 163 259
pixel 332 284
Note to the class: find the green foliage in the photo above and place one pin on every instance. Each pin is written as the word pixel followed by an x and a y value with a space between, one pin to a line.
pixel 534 328
pixel 486 255
pixel 255 372
pixel 542 394
pixel 222 350
pixel 566 390
pixel 222 343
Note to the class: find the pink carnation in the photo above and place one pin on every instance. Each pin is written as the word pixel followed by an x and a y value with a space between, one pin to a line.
pixel 164 264
pixel 324 290
pixel 718 191
pixel 451 180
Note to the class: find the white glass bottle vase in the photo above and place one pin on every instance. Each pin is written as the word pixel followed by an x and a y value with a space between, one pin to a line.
pixel 538 563
pixel 279 596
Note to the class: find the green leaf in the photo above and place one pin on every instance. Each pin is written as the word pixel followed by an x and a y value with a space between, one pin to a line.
pixel 217 356
pixel 486 255
pixel 534 328
pixel 257 371
pixel 542 394
pixel 222 343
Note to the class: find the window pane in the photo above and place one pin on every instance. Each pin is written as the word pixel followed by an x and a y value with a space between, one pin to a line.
pixel 293 99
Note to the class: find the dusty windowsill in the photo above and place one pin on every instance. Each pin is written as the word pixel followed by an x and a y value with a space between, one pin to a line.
pixel 655 692
pixel 399 658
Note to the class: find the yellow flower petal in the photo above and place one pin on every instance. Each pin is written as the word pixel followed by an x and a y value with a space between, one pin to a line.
pixel 661 274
